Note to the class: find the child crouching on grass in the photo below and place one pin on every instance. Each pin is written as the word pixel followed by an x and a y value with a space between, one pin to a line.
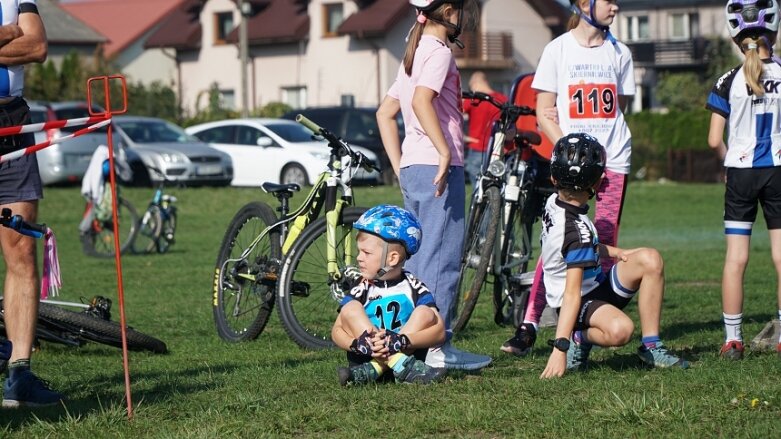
pixel 389 319
pixel 589 302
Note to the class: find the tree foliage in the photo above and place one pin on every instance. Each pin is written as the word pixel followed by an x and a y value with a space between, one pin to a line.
pixel 688 91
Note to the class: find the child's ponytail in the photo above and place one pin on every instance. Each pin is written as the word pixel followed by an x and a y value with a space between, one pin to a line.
pixel 412 44
pixel 574 19
pixel 753 67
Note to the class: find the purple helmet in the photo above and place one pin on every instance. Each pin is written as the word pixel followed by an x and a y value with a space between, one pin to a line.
pixel 751 15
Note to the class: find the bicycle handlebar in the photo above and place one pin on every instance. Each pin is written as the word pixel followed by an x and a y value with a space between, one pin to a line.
pixel 520 110
pixel 343 149
pixel 17 222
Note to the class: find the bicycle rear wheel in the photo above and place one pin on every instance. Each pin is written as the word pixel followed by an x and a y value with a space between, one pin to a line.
pixel 99 241
pixel 93 328
pixel 244 285
pixel 168 232
pixel 306 306
pixel 149 229
pixel 479 243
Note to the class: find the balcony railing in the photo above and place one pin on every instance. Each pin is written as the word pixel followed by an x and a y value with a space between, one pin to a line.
pixel 669 53
pixel 485 50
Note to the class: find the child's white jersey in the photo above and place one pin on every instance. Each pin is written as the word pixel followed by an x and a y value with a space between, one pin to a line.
pixel 754 122
pixel 587 82
pixel 569 240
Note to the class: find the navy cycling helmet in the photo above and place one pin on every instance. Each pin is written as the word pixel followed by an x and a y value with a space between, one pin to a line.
pixel 577 162
pixel 392 224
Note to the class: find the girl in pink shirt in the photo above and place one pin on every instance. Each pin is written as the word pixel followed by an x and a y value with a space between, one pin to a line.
pixel 430 161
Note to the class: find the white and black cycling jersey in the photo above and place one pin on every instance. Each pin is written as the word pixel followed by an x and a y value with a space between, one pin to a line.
pixel 12 77
pixel 754 122
pixel 569 240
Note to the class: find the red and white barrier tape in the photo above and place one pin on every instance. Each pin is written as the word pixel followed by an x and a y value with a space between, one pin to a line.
pixel 50 125
pixel 35 148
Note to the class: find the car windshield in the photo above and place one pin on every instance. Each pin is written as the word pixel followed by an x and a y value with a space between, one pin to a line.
pixel 154 131
pixel 294 133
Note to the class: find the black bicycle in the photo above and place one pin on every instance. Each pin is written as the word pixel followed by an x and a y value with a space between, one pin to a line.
pixel 507 200
pixel 73 328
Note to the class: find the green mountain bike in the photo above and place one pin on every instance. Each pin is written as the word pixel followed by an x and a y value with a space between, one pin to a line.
pixel 296 259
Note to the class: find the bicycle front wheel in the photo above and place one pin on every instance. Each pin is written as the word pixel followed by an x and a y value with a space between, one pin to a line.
pixel 93 328
pixel 480 235
pixel 514 260
pixel 149 229
pixel 244 284
pixel 307 306
pixel 168 231
pixel 99 241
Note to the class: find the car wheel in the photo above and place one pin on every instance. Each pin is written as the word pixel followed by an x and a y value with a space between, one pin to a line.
pixel 294 173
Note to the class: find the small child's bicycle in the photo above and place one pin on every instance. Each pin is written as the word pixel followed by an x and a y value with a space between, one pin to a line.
pixel 60 325
pixel 297 258
pixel 157 227
pixel 98 241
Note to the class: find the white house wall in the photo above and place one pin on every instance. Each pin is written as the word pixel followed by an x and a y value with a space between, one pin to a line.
pixel 530 35
pixel 215 63
pixel 146 65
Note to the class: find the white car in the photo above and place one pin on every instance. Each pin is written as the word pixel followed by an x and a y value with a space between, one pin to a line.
pixel 275 150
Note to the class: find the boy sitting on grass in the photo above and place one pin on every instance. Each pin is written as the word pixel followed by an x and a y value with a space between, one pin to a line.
pixel 389 319
pixel 589 302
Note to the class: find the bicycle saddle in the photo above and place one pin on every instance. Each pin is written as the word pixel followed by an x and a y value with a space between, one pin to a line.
pixel 529 136
pixel 273 188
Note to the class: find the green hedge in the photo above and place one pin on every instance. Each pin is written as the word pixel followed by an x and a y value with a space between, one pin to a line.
pixel 655 134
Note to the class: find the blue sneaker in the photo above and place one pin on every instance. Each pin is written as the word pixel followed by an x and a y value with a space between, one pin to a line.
pixel 28 390
pixel 659 356
pixel 577 356
pixel 5 354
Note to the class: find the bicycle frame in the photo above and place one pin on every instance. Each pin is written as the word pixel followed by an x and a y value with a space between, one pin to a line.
pixel 323 194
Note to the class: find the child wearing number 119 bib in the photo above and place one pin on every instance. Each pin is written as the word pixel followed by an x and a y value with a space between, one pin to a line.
pixel 588 76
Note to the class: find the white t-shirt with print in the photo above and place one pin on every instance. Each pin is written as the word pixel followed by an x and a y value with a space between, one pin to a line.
pixel 587 82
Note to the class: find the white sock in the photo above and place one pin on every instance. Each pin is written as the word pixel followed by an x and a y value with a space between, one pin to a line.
pixel 732 326
pixel 526 322
pixel 779 318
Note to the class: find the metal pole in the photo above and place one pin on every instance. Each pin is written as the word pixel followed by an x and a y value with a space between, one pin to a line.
pixel 243 57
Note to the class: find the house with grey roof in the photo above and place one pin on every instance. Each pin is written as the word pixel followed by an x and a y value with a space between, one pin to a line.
pixel 66 33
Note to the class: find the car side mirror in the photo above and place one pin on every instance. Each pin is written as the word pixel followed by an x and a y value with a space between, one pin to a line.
pixel 264 141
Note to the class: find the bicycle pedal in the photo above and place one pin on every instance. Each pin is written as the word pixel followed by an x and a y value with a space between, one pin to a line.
pixel 300 289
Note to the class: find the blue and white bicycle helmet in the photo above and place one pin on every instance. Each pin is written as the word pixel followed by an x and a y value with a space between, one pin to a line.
pixel 392 224
pixel 747 16
pixel 592 19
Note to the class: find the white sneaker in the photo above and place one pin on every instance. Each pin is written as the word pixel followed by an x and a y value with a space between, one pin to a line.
pixel 448 357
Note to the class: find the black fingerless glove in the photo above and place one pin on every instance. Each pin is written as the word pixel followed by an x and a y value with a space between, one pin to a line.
pixel 362 345
pixel 396 342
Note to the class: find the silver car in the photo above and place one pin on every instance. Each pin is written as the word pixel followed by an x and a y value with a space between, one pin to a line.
pixel 180 156
pixel 64 162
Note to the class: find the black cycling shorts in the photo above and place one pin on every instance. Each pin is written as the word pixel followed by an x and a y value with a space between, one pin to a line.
pixel 745 188
pixel 608 292
pixel 19 179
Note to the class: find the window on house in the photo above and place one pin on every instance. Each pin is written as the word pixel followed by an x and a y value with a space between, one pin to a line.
pixel 228 99
pixel 294 96
pixel 223 25
pixel 333 16
pixel 679 26
pixel 637 28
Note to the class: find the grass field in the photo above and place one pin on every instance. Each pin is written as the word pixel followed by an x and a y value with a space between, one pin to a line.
pixel 207 388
